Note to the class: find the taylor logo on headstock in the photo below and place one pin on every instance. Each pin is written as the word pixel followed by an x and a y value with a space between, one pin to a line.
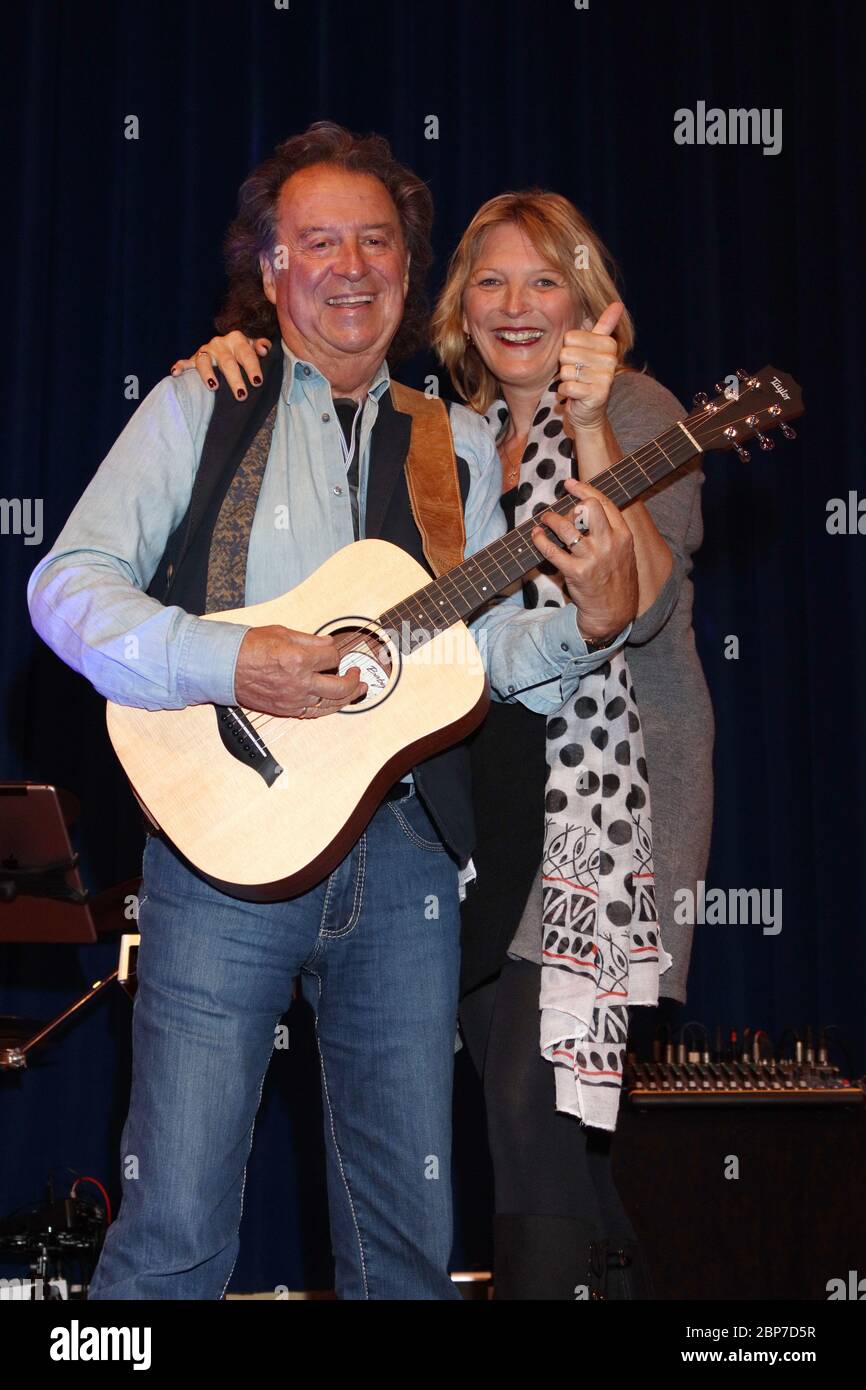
pixel 779 389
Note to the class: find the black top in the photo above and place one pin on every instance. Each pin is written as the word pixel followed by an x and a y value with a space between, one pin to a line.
pixel 349 414
pixel 509 770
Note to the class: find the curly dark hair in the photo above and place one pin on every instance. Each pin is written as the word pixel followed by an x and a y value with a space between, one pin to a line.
pixel 253 231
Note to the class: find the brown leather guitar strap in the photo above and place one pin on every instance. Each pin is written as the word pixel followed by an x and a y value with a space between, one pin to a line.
pixel 431 477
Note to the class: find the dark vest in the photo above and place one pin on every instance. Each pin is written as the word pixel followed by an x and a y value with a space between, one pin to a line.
pixel 442 781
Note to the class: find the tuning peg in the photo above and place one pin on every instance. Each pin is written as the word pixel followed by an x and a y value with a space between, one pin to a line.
pixel 742 453
pixel 720 386
pixel 788 432
pixel 765 442
pixel 701 398
pixel 742 374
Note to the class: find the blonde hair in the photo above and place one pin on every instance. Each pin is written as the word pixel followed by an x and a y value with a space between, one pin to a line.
pixel 558 232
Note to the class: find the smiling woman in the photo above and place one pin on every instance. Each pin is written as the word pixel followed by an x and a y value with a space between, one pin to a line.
pixel 532 331
pixel 533 254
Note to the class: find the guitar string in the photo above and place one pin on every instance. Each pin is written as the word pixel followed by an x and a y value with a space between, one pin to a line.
pixel 362 642
pixel 613 477
pixel 502 543
pixel 652 450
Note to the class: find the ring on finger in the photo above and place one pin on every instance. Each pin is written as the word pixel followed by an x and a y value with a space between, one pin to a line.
pixel 578 368
pixel 577 540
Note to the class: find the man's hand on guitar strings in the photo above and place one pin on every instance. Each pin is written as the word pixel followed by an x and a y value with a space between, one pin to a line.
pixel 285 673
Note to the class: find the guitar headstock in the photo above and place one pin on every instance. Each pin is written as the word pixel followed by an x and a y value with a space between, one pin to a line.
pixel 747 408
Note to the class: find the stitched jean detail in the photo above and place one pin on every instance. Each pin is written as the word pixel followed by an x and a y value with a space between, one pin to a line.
pixel 244 1182
pixel 358 867
pixel 411 806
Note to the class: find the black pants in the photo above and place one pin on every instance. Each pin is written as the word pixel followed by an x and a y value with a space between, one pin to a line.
pixel 554 1191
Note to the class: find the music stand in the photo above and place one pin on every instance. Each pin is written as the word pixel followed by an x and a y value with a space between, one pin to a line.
pixel 43 899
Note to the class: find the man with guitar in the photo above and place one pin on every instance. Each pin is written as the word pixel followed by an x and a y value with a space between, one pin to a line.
pixel 205 504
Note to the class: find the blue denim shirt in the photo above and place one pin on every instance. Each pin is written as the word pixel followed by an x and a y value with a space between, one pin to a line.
pixel 86 595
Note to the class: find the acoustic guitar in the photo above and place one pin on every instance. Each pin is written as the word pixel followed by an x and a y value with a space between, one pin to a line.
pixel 264 807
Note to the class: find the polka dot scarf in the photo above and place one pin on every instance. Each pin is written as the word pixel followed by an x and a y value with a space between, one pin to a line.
pixel 601 946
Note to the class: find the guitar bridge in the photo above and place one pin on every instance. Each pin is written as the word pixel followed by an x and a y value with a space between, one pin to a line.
pixel 241 740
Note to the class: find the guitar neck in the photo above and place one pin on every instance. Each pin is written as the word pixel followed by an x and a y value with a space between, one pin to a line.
pixel 467 587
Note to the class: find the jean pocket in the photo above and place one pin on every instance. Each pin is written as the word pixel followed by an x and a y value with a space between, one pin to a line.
pixel 416 824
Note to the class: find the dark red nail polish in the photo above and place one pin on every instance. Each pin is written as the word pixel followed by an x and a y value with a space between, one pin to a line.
pixel 257 381
pixel 242 395
pixel 211 383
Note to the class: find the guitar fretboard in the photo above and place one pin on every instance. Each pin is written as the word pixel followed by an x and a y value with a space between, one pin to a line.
pixel 465 589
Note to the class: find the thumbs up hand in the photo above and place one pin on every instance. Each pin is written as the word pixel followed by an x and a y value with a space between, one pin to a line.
pixel 588 361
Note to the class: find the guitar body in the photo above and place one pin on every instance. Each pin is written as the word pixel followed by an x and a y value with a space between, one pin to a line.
pixel 263 825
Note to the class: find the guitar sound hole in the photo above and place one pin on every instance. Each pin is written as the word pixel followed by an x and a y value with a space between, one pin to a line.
pixel 363 646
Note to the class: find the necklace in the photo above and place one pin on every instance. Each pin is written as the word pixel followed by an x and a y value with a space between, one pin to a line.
pixel 511 457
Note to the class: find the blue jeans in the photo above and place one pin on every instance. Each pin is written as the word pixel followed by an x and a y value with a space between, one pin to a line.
pixel 377 948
